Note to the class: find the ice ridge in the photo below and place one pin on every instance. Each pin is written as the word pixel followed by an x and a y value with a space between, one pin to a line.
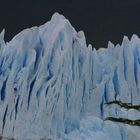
pixel 52 84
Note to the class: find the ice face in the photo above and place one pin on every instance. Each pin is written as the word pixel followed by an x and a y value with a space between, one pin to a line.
pixel 50 81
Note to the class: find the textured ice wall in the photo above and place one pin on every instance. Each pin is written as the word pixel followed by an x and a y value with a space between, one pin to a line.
pixel 50 80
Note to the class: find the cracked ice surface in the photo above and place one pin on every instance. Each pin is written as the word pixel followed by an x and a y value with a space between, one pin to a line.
pixel 51 82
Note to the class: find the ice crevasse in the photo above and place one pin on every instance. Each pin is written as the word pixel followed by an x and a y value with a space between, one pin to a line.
pixel 53 86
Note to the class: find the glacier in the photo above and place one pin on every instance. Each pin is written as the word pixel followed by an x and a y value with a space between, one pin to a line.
pixel 55 87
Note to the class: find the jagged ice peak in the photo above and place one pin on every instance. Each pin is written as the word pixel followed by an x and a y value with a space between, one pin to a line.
pixel 54 86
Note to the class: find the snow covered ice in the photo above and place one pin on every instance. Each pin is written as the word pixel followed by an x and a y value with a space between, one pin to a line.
pixel 54 86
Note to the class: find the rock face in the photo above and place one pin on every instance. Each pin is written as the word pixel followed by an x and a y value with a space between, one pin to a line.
pixel 52 86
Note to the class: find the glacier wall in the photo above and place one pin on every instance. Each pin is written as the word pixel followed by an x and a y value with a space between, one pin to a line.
pixel 50 80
